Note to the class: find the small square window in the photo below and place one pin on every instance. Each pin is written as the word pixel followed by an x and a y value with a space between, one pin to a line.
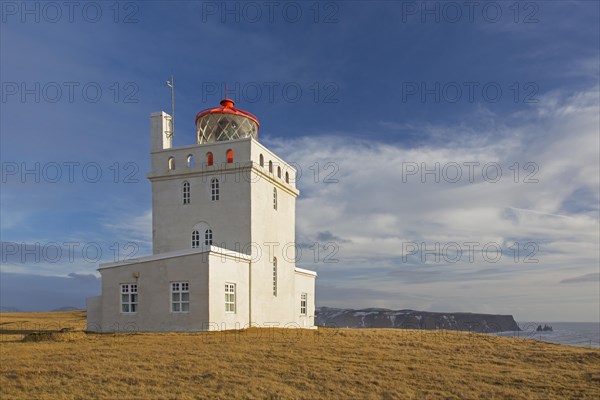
pixel 129 298
pixel 180 297
pixel 230 297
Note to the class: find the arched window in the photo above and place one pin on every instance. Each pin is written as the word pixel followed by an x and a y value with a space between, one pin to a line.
pixel 279 172
pixel 274 276
pixel 262 161
pixel 208 236
pixel 274 199
pixel 195 239
pixel 171 163
pixel 186 192
pixel 198 230
pixel 190 161
pixel 214 189
pixel 287 177
pixel 209 159
pixel 229 156
pixel 271 166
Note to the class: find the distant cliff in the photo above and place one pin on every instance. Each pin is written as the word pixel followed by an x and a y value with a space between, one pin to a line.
pixel 410 319
pixel 9 309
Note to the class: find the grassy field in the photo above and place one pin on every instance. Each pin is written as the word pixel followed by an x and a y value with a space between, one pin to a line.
pixel 285 364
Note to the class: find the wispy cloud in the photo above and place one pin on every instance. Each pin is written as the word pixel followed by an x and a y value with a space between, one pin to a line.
pixel 131 226
pixel 377 210
pixel 587 278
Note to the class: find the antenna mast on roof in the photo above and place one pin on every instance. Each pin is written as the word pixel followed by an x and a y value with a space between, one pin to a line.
pixel 171 84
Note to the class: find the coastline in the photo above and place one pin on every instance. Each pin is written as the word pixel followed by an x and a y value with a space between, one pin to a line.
pixel 578 334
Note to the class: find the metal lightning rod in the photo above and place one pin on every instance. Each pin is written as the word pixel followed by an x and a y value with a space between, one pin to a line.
pixel 171 84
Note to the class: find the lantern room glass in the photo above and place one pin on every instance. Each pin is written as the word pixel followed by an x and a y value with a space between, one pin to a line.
pixel 217 127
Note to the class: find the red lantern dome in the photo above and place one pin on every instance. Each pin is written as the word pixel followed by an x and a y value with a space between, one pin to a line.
pixel 225 123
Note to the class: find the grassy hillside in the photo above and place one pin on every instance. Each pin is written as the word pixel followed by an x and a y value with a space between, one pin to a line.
pixel 285 364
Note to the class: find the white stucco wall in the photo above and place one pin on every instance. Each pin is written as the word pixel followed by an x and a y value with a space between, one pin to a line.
pixel 154 276
pixel 305 283
pixel 232 215
pixel 229 217
pixel 274 232
pixel 160 131
pixel 224 270
pixel 93 306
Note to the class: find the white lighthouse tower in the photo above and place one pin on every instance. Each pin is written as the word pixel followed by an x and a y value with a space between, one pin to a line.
pixel 223 233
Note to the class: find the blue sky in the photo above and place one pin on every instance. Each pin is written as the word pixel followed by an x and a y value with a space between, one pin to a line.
pixel 369 91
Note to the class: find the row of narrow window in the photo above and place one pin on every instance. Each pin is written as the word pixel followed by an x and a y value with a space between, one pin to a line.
pixel 262 164
pixel 215 192
pixel 209 159
pixel 229 155
pixel 180 296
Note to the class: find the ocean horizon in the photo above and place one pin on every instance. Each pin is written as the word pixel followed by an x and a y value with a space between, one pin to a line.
pixel 581 334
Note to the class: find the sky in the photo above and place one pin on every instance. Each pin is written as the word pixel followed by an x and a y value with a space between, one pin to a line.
pixel 448 152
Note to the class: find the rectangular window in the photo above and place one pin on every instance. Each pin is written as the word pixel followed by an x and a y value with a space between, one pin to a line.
pixel 186 193
pixel 230 297
pixel 274 276
pixel 214 189
pixel 129 296
pixel 274 280
pixel 303 304
pixel 180 297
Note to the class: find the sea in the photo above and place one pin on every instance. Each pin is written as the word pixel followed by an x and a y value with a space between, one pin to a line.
pixel 583 334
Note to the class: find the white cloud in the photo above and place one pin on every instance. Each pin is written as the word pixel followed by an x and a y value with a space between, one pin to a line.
pixel 375 211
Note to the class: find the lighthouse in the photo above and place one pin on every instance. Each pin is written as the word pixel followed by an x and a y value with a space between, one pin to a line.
pixel 223 236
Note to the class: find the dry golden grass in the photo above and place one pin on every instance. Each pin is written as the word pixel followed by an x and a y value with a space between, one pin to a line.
pixel 287 364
